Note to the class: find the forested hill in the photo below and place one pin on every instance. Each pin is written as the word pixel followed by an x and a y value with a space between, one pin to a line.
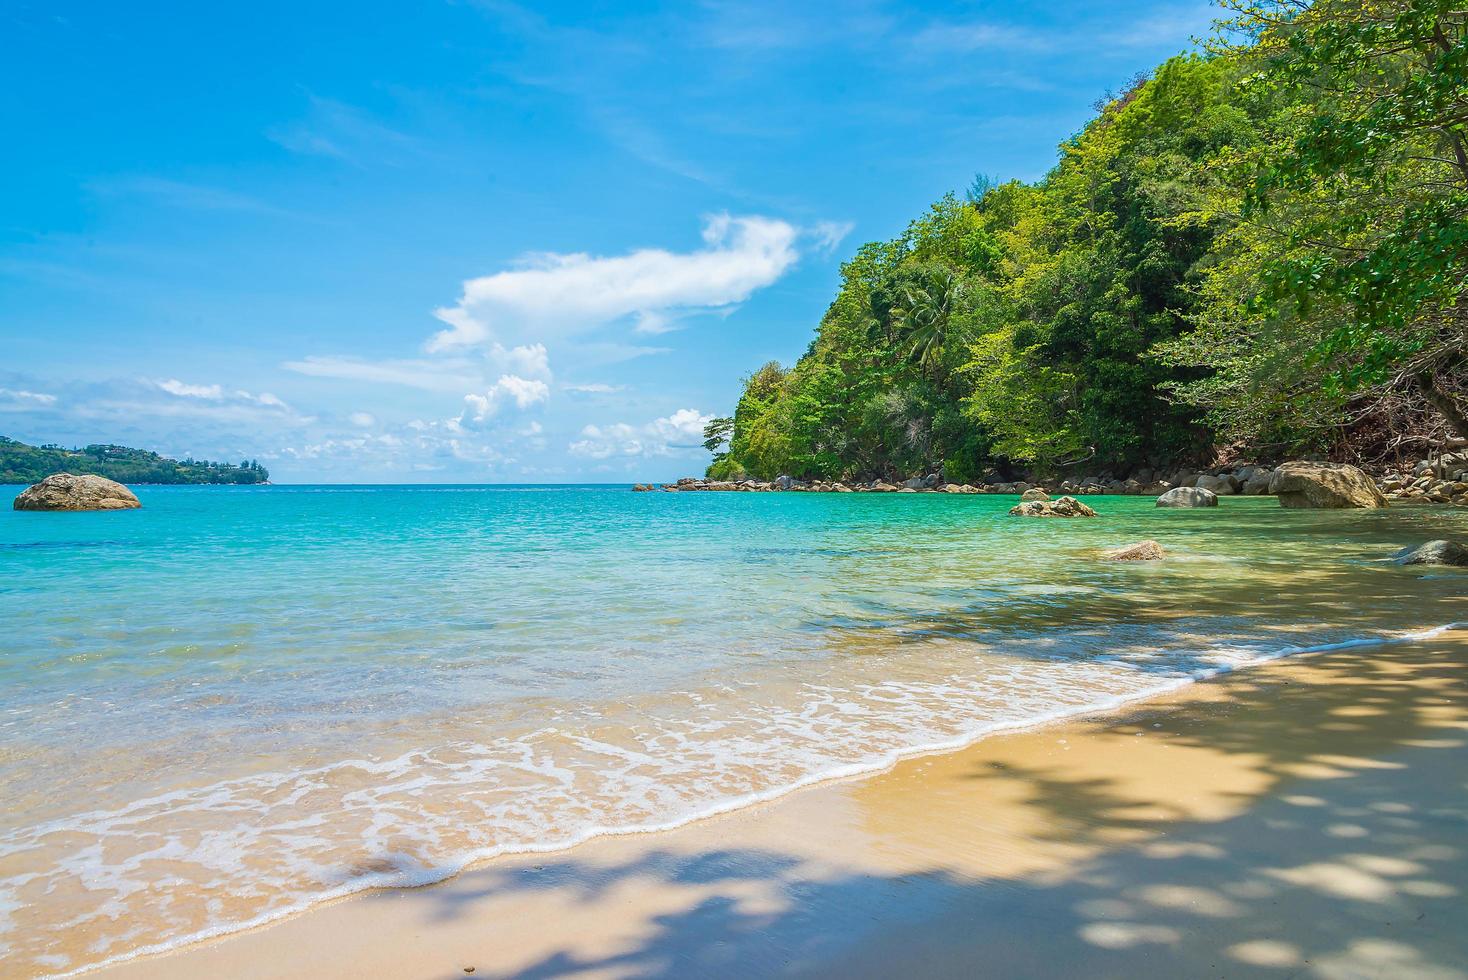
pixel 1255 250
pixel 20 463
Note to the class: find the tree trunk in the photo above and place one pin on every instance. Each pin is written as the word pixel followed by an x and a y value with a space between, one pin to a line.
pixel 1445 404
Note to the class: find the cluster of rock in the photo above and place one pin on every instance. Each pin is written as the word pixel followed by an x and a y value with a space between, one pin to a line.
pixel 1064 507
pixel 1145 482
pixel 1296 484
pixel 63 491
pixel 928 484
pixel 1440 481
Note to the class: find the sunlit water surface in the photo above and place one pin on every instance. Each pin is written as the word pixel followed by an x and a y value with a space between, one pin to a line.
pixel 236 702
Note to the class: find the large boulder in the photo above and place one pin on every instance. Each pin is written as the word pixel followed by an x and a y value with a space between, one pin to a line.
pixel 63 491
pixel 1141 551
pixel 1034 493
pixel 1328 485
pixel 1064 507
pixel 1188 497
pixel 1433 553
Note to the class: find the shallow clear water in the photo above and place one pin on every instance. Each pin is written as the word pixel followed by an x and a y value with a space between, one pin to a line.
pixel 238 701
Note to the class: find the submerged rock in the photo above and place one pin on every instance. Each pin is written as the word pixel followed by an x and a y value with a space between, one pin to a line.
pixel 1324 485
pixel 1433 553
pixel 1141 551
pixel 1188 497
pixel 1064 507
pixel 63 491
pixel 1034 493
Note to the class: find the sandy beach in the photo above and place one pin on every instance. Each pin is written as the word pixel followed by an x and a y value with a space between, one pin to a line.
pixel 1303 818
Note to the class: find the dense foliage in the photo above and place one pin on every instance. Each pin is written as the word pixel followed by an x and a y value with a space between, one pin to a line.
pixel 20 463
pixel 1261 246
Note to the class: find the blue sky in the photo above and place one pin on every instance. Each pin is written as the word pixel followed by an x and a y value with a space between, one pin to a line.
pixel 483 242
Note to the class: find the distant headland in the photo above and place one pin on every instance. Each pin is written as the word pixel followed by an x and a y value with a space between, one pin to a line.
pixel 20 463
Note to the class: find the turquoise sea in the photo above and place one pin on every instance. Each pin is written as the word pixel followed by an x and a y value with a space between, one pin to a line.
pixel 237 702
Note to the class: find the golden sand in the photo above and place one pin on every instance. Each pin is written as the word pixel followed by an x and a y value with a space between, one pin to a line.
pixel 1304 818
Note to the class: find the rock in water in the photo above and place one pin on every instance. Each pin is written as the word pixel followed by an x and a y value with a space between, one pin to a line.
pixel 1188 497
pixel 63 491
pixel 1034 493
pixel 1064 507
pixel 1433 553
pixel 1141 551
pixel 1329 485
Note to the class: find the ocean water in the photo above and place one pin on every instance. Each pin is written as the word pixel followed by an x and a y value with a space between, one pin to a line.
pixel 237 702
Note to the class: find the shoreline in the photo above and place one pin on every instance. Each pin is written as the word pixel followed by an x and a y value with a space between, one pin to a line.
pixel 1184 690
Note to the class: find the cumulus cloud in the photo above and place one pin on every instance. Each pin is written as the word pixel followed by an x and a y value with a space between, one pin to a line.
pixel 523 392
pixel 364 419
pixel 530 360
pixel 553 292
pixel 681 431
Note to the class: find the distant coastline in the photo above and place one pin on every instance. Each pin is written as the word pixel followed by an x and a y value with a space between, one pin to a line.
pixel 23 464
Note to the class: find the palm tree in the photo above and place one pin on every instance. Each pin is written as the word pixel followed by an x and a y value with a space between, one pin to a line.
pixel 923 314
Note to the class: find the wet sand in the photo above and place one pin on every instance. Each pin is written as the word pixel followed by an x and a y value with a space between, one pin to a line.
pixel 1303 818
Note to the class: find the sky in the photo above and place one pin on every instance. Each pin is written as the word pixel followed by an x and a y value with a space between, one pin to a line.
pixel 482 242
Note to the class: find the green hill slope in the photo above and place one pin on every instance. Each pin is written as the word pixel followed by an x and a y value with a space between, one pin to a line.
pixel 20 463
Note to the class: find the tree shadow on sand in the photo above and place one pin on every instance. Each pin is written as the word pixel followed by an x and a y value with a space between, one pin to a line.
pixel 1163 619
pixel 1370 885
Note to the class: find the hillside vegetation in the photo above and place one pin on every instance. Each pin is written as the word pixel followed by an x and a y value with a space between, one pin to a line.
pixel 1255 250
pixel 20 463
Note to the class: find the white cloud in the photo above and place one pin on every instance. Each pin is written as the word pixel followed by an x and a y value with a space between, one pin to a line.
pixel 349 448
pixel 430 374
pixel 217 393
pixel 571 292
pixel 175 387
pixel 524 392
pixel 595 388
pixel 25 399
pixel 829 234
pixel 364 419
pixel 681 431
pixel 450 374
pixel 530 360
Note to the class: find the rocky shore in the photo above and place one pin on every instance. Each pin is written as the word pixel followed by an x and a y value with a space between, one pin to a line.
pixel 1442 480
